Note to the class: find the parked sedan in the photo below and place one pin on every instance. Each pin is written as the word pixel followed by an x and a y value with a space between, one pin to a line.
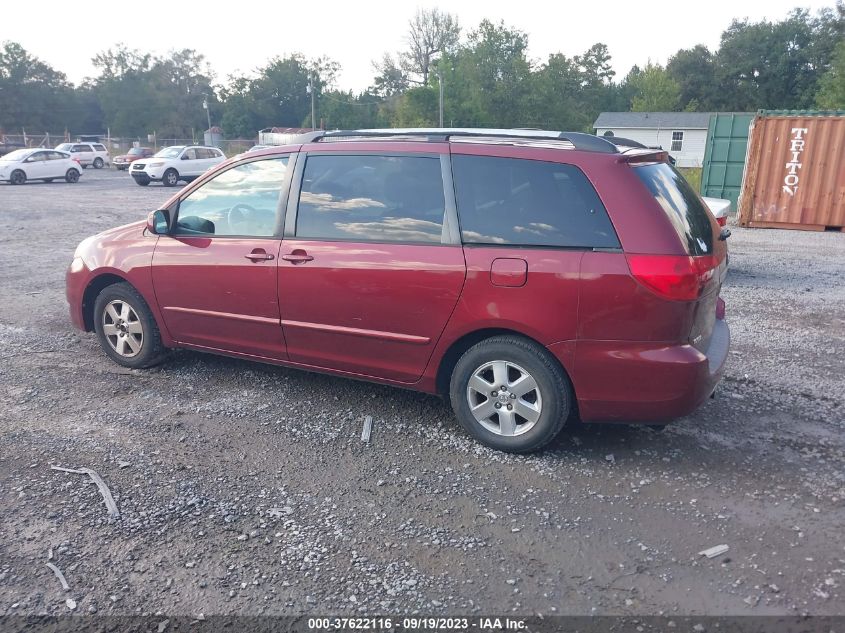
pixel 720 209
pixel 123 161
pixel 38 164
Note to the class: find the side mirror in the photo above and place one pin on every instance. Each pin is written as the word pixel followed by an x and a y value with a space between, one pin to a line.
pixel 158 222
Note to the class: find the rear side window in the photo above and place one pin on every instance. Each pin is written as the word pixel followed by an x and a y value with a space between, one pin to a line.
pixel 372 199
pixel 682 206
pixel 530 203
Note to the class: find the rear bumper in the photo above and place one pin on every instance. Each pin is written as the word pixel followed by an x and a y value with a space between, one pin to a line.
pixel 619 381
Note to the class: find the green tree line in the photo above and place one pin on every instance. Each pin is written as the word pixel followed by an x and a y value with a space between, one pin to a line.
pixel 488 79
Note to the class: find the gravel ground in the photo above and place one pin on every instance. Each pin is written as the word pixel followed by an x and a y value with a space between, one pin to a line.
pixel 246 489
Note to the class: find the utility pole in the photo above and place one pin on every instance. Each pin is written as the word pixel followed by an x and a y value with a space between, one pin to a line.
pixel 440 81
pixel 313 108
pixel 208 116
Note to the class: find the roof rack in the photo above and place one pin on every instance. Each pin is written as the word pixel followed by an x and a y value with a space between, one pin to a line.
pixel 579 140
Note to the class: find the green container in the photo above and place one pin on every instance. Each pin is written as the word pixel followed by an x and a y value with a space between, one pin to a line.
pixel 724 156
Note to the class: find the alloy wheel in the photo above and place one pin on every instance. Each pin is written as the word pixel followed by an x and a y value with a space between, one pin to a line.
pixel 122 328
pixel 504 398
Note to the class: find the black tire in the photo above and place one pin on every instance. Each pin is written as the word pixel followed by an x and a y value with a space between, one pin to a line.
pixel 98 163
pixel 150 351
pixel 83 166
pixel 18 177
pixel 551 381
pixel 170 178
pixel 142 181
pixel 72 176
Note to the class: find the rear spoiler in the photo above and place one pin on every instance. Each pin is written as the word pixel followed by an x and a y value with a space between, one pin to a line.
pixel 634 156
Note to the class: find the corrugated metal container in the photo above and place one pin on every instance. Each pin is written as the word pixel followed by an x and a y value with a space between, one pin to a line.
pixel 724 156
pixel 795 172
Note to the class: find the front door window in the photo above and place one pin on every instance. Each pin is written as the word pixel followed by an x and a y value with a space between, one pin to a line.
pixel 241 201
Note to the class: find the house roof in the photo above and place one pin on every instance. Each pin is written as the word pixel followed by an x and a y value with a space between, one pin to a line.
pixel 662 120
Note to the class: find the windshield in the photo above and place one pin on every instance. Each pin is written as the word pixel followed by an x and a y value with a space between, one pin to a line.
pixel 18 154
pixel 170 152
pixel 136 151
pixel 64 146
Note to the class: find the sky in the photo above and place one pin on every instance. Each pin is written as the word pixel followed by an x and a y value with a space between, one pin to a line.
pixel 237 37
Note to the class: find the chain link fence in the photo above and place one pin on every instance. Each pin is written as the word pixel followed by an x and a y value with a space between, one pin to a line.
pixel 116 145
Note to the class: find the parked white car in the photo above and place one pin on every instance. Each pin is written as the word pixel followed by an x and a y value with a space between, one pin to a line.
pixel 38 164
pixel 89 154
pixel 175 163
pixel 720 208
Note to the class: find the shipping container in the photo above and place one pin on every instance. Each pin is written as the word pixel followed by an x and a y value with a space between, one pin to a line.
pixel 724 155
pixel 795 171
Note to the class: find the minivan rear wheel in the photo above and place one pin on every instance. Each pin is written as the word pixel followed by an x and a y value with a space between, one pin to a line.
pixel 126 328
pixel 510 394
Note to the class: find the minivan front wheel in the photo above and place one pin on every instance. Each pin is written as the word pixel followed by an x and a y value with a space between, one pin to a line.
pixel 510 394
pixel 126 328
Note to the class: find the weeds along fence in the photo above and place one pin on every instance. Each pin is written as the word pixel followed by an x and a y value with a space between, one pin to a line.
pixel 116 145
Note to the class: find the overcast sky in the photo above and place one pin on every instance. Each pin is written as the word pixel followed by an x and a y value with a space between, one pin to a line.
pixel 239 36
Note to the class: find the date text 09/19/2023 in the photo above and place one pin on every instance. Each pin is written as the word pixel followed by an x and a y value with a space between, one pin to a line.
pixel 416 624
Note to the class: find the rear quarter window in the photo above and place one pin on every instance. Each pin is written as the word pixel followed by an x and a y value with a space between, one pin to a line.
pixel 530 203
pixel 682 206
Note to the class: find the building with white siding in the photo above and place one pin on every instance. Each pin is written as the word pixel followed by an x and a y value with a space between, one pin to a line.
pixel 682 134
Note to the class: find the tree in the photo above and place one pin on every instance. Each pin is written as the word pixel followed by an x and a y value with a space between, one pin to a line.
pixel 33 95
pixel 776 64
pixel 390 78
pixel 694 70
pixel 489 80
pixel 139 93
pixel 569 92
pixel 654 90
pixel 831 95
pixel 430 32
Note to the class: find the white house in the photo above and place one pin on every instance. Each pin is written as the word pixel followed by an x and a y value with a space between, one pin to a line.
pixel 682 134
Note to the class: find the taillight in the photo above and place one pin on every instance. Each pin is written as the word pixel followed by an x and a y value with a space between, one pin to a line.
pixel 676 277
pixel 723 221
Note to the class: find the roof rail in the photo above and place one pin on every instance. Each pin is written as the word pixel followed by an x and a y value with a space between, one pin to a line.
pixel 579 140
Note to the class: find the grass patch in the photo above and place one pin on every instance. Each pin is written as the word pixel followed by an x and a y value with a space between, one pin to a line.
pixel 693 176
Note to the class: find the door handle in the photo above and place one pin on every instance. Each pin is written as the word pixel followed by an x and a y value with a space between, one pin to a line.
pixel 297 257
pixel 259 255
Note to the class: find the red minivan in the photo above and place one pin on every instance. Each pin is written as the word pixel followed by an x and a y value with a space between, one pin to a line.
pixel 529 276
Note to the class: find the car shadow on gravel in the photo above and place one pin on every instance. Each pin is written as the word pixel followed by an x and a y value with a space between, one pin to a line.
pixel 595 441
